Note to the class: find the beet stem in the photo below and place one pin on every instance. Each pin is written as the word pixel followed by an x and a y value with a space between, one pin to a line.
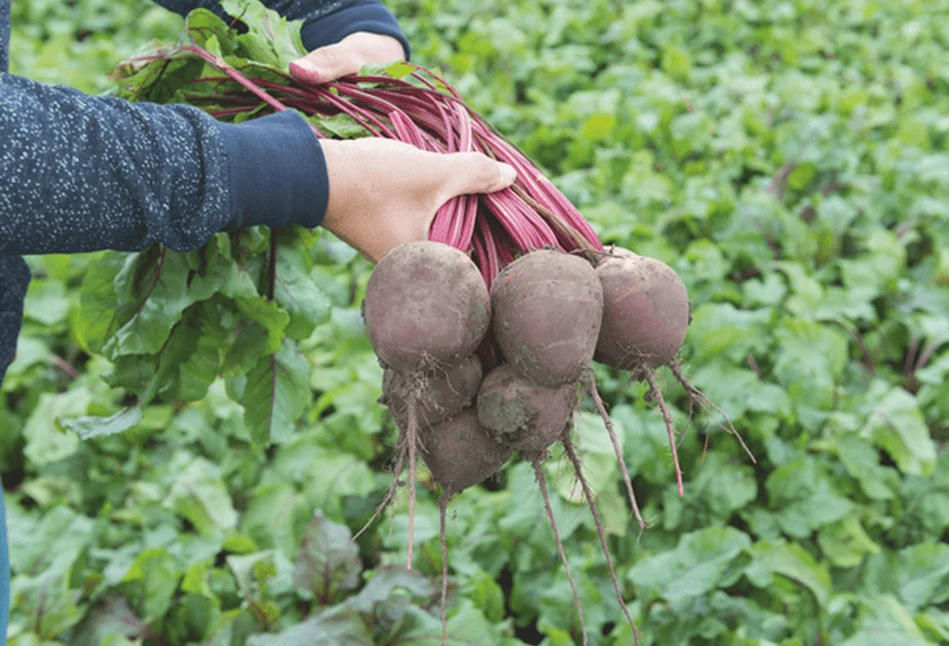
pixel 589 382
pixel 577 467
pixel 542 483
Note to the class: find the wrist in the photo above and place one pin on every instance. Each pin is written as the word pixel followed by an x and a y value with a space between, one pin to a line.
pixel 277 172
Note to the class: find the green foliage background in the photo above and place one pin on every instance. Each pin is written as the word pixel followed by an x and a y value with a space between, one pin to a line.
pixel 787 157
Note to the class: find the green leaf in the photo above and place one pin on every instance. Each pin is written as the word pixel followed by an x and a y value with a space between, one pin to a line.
pixel 162 291
pixel 923 572
pixel 297 293
pixel 270 37
pixel 111 617
pixel 276 516
pixel 328 562
pixel 203 25
pixel 152 580
pixel 47 602
pixel 96 321
pixel 791 561
pixel 200 495
pixel 387 583
pixel 884 622
pixel 260 574
pixel 896 425
pixel 702 561
pixel 46 302
pixel 277 394
pixel 89 427
pixel 846 543
pixel 337 626
pixel 46 444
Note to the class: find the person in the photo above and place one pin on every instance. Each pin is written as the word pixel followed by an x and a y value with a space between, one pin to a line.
pixel 81 173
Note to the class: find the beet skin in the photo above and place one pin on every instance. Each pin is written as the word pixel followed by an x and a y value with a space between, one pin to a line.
pixel 548 307
pixel 426 305
pixel 646 312
pixel 460 452
pixel 522 414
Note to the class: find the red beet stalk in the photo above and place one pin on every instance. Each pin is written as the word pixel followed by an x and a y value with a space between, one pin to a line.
pixel 428 113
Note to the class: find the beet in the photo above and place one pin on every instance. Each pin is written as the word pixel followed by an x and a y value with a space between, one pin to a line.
pixel 460 452
pixel 438 393
pixel 646 312
pixel 548 307
pixel 426 305
pixel 525 416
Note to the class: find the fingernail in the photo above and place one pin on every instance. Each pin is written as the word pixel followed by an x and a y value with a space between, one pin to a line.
pixel 508 174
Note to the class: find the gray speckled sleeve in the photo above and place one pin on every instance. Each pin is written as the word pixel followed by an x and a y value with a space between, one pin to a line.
pixel 82 173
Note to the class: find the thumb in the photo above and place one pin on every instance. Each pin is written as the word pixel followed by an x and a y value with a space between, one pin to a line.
pixel 346 57
pixel 467 173
pixel 326 64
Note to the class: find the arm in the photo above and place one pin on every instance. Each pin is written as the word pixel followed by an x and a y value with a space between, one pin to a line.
pixel 167 174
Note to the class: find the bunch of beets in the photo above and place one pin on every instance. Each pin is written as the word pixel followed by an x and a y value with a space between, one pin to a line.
pixel 487 331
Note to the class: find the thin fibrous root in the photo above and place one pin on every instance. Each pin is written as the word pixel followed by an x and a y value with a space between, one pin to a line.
pixel 542 483
pixel 688 422
pixel 697 395
pixel 442 512
pixel 578 470
pixel 650 378
pixel 397 470
pixel 589 383
pixel 412 438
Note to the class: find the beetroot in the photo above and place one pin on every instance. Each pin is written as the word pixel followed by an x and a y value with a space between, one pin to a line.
pixel 527 417
pixel 437 394
pixel 426 305
pixel 548 307
pixel 460 452
pixel 646 312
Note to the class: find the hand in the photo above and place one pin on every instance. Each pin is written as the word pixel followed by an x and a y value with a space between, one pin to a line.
pixel 384 193
pixel 346 57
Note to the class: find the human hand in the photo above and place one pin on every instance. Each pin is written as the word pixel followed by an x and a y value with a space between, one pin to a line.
pixel 384 193
pixel 329 63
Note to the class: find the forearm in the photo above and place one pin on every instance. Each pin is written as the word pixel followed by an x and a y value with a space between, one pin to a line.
pixel 82 173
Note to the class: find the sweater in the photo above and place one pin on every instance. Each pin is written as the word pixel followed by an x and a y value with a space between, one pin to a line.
pixel 81 173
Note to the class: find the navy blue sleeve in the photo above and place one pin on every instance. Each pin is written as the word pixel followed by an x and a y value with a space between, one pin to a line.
pixel 86 173
pixel 361 15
